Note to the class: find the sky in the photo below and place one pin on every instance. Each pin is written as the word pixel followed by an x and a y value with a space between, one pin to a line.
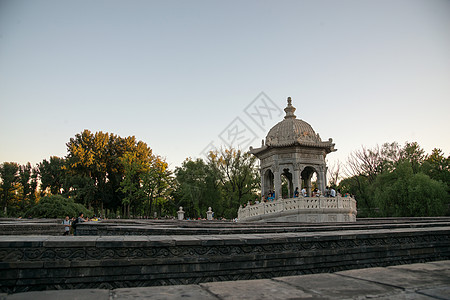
pixel 188 76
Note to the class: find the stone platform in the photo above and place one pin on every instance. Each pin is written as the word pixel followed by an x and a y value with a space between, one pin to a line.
pixel 30 227
pixel 415 281
pixel 126 254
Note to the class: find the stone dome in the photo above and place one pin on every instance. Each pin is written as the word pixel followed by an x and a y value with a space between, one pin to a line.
pixel 292 131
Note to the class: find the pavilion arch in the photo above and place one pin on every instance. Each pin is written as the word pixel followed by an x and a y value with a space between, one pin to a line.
pixel 267 182
pixel 289 180
pixel 307 174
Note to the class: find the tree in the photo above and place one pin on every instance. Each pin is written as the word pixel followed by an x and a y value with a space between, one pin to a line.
pixel 158 185
pixel 130 186
pixel 401 193
pixel 28 182
pixel 367 169
pixel 334 174
pixel 197 188
pixel 86 163
pixel 361 170
pixel 371 162
pixel 96 165
pixel 238 176
pixel 414 154
pixel 8 186
pixel 437 166
pixel 52 175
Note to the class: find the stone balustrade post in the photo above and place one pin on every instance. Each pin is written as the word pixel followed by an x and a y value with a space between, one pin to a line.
pixel 180 213
pixel 209 214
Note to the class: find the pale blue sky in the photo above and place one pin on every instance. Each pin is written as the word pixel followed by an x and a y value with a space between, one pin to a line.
pixel 176 74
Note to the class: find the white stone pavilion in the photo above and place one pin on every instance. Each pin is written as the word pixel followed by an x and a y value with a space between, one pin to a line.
pixel 294 151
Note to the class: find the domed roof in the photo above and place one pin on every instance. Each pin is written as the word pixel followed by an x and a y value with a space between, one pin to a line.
pixel 292 131
pixel 289 132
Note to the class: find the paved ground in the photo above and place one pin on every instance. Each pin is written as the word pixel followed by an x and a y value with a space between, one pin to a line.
pixel 416 281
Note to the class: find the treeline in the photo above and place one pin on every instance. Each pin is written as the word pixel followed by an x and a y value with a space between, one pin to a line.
pixel 111 176
pixel 114 176
pixel 395 181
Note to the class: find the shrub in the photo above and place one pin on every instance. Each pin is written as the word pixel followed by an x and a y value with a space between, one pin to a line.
pixel 56 206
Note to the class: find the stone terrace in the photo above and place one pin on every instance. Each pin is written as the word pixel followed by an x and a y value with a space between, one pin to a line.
pixel 134 253
pixel 416 281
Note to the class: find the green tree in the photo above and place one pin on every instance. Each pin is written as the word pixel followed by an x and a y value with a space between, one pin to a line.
pixel 367 169
pixel 158 185
pixel 52 175
pixel 28 182
pixel 401 193
pixel 238 176
pixel 437 166
pixel 414 154
pixel 197 188
pixel 9 179
pixel 130 186
pixel 97 165
pixel 86 165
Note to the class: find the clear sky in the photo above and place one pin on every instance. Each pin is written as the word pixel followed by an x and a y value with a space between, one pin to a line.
pixel 182 75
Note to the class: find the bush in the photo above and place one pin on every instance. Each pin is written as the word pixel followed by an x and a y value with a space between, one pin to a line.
pixel 56 206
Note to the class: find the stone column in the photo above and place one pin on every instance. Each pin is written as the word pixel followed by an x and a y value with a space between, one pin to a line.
pixel 263 186
pixel 289 182
pixel 308 185
pixel 319 180
pixel 321 177
pixel 297 181
pixel 295 177
pixel 277 184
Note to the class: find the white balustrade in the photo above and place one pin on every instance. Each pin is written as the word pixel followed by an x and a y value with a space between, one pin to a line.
pixel 297 204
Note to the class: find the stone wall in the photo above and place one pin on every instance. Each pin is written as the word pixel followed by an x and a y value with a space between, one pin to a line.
pixel 44 262
pixel 31 227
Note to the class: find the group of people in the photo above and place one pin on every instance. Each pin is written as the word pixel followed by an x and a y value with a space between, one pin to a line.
pixel 297 194
pixel 329 192
pixel 70 225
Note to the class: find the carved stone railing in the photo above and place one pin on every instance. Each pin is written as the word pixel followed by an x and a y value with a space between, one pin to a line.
pixel 302 209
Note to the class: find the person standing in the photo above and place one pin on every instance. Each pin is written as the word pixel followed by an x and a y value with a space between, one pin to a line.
pixel 79 220
pixel 67 224
pixel 296 193
pixel 303 192
pixel 333 192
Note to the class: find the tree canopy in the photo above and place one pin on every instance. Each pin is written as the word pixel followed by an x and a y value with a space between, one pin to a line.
pixel 398 181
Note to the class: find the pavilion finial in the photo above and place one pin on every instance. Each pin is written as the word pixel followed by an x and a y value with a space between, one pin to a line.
pixel 290 110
